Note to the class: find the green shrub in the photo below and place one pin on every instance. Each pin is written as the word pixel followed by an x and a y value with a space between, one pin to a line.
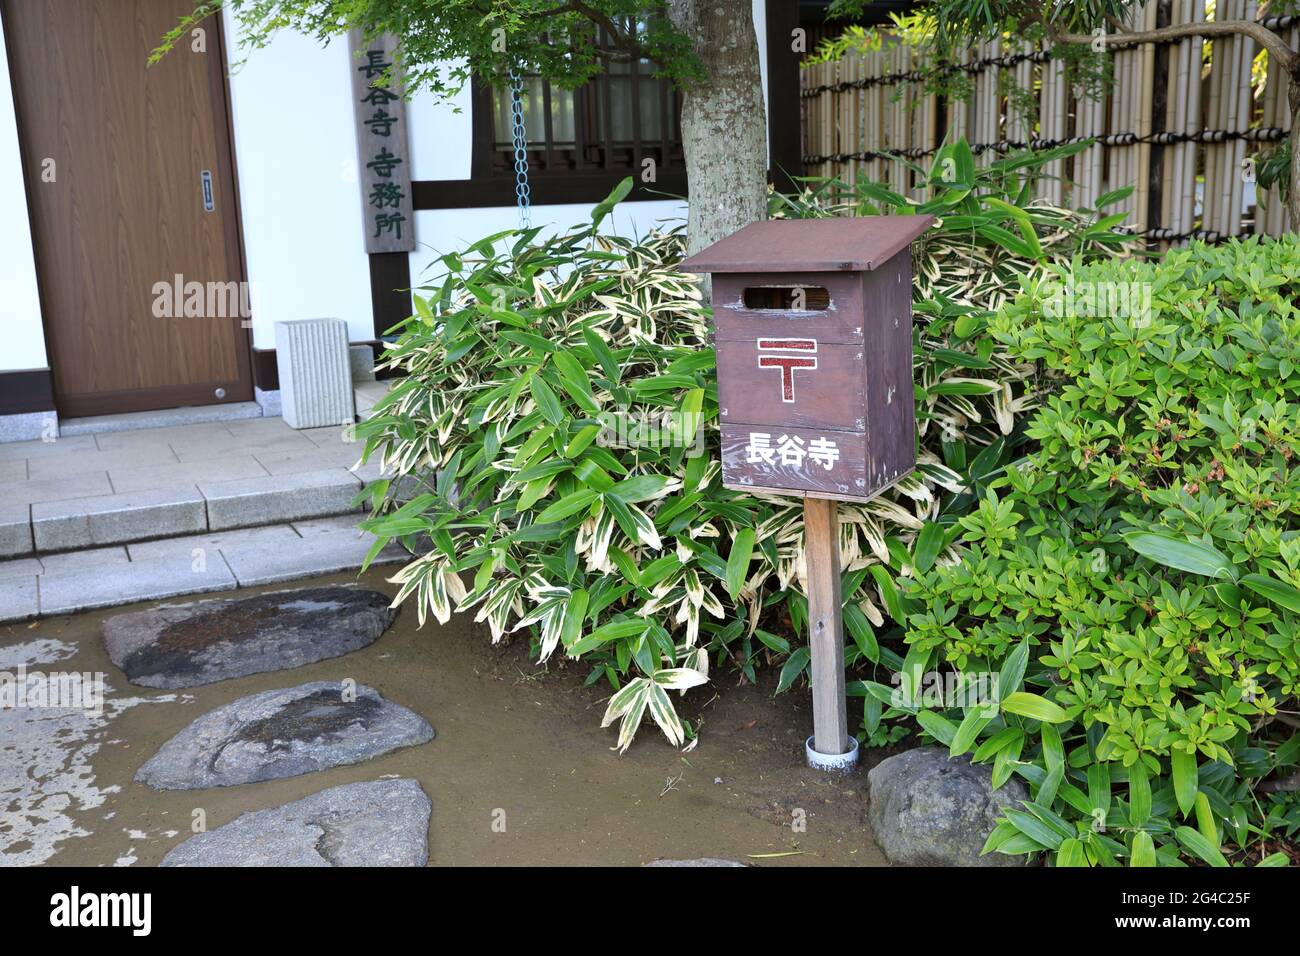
pixel 636 560
pixel 1135 580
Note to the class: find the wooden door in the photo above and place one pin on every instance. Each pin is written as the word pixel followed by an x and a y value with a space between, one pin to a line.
pixel 134 215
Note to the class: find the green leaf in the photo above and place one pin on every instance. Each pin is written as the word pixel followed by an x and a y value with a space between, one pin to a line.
pixel 1205 818
pixel 584 437
pixel 1034 707
pixel 889 593
pixel 1034 828
pixel 1053 748
pixel 592 475
pixel 1185 779
pixel 574 614
pixel 639 488
pixel 1070 853
pixel 606 205
pixel 1181 553
pixel 940 728
pixel 608 363
pixel 1195 843
pixel 1143 852
pixel 574 379
pixel 795 666
pixel 742 550
pixel 968 731
pixel 1022 222
pixel 547 403
pixel 1013 670
pixel 859 628
pixel 927 547
pixel 1139 794
pixel 568 505
pixel 1279 592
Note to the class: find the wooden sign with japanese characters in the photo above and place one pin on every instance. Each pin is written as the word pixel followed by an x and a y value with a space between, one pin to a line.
pixel 382 158
pixel 813 332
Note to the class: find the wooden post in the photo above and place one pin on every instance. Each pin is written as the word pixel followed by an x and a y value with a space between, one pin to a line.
pixel 825 625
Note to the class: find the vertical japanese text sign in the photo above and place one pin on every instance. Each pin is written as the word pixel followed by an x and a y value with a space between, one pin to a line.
pixel 383 160
pixel 812 323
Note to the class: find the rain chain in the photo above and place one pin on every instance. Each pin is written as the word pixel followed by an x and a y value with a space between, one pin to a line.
pixel 520 142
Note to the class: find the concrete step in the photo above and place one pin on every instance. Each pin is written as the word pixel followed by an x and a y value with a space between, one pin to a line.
pixel 71 524
pixel 124 487
pixel 69 582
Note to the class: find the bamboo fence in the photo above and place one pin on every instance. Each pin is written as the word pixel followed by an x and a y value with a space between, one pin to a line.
pixel 1183 122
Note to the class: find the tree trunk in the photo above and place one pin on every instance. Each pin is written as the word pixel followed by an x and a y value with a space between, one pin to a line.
pixel 1293 190
pixel 724 126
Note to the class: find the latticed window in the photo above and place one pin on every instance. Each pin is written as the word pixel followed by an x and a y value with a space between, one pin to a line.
pixel 614 122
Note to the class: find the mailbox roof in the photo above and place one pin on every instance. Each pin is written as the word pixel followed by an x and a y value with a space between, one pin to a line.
pixel 810 245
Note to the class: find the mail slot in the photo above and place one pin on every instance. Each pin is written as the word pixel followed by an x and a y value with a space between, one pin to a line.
pixel 812 322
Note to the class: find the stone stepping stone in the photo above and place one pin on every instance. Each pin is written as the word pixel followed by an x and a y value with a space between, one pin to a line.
pixel 375 823
pixel 186 645
pixel 283 733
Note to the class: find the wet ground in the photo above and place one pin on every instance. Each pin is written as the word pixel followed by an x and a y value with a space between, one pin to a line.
pixel 519 773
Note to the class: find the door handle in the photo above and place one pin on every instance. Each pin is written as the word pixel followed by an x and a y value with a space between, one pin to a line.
pixel 205 180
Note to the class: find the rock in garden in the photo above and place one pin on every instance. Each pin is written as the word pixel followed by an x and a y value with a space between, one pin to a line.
pixel 283 733
pixel 185 645
pixel 378 823
pixel 702 861
pixel 928 809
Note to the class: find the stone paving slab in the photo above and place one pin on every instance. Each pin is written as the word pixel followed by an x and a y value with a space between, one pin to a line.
pixel 147 437
pixel 313 458
pixel 186 473
pixel 322 551
pixel 375 823
pixel 212 543
pixel 19 568
pixel 56 489
pixel 113 519
pixel 219 446
pixel 15 470
pixel 113 583
pixel 193 564
pixel 202 642
pixel 18 589
pixel 275 426
pixel 91 561
pixel 325 437
pixel 58 466
pixel 284 733
pixel 15 529
pixel 332 525
pixel 29 450
pixel 275 498
pixel 19 598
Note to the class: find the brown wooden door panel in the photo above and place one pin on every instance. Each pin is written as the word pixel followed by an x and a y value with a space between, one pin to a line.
pixel 125 211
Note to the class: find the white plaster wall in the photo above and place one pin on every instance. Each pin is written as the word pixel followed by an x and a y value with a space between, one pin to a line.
pixel 22 339
pixel 300 203
pixel 441 141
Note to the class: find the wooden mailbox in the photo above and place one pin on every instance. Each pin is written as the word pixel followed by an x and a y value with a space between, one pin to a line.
pixel 813 330
pixel 812 323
